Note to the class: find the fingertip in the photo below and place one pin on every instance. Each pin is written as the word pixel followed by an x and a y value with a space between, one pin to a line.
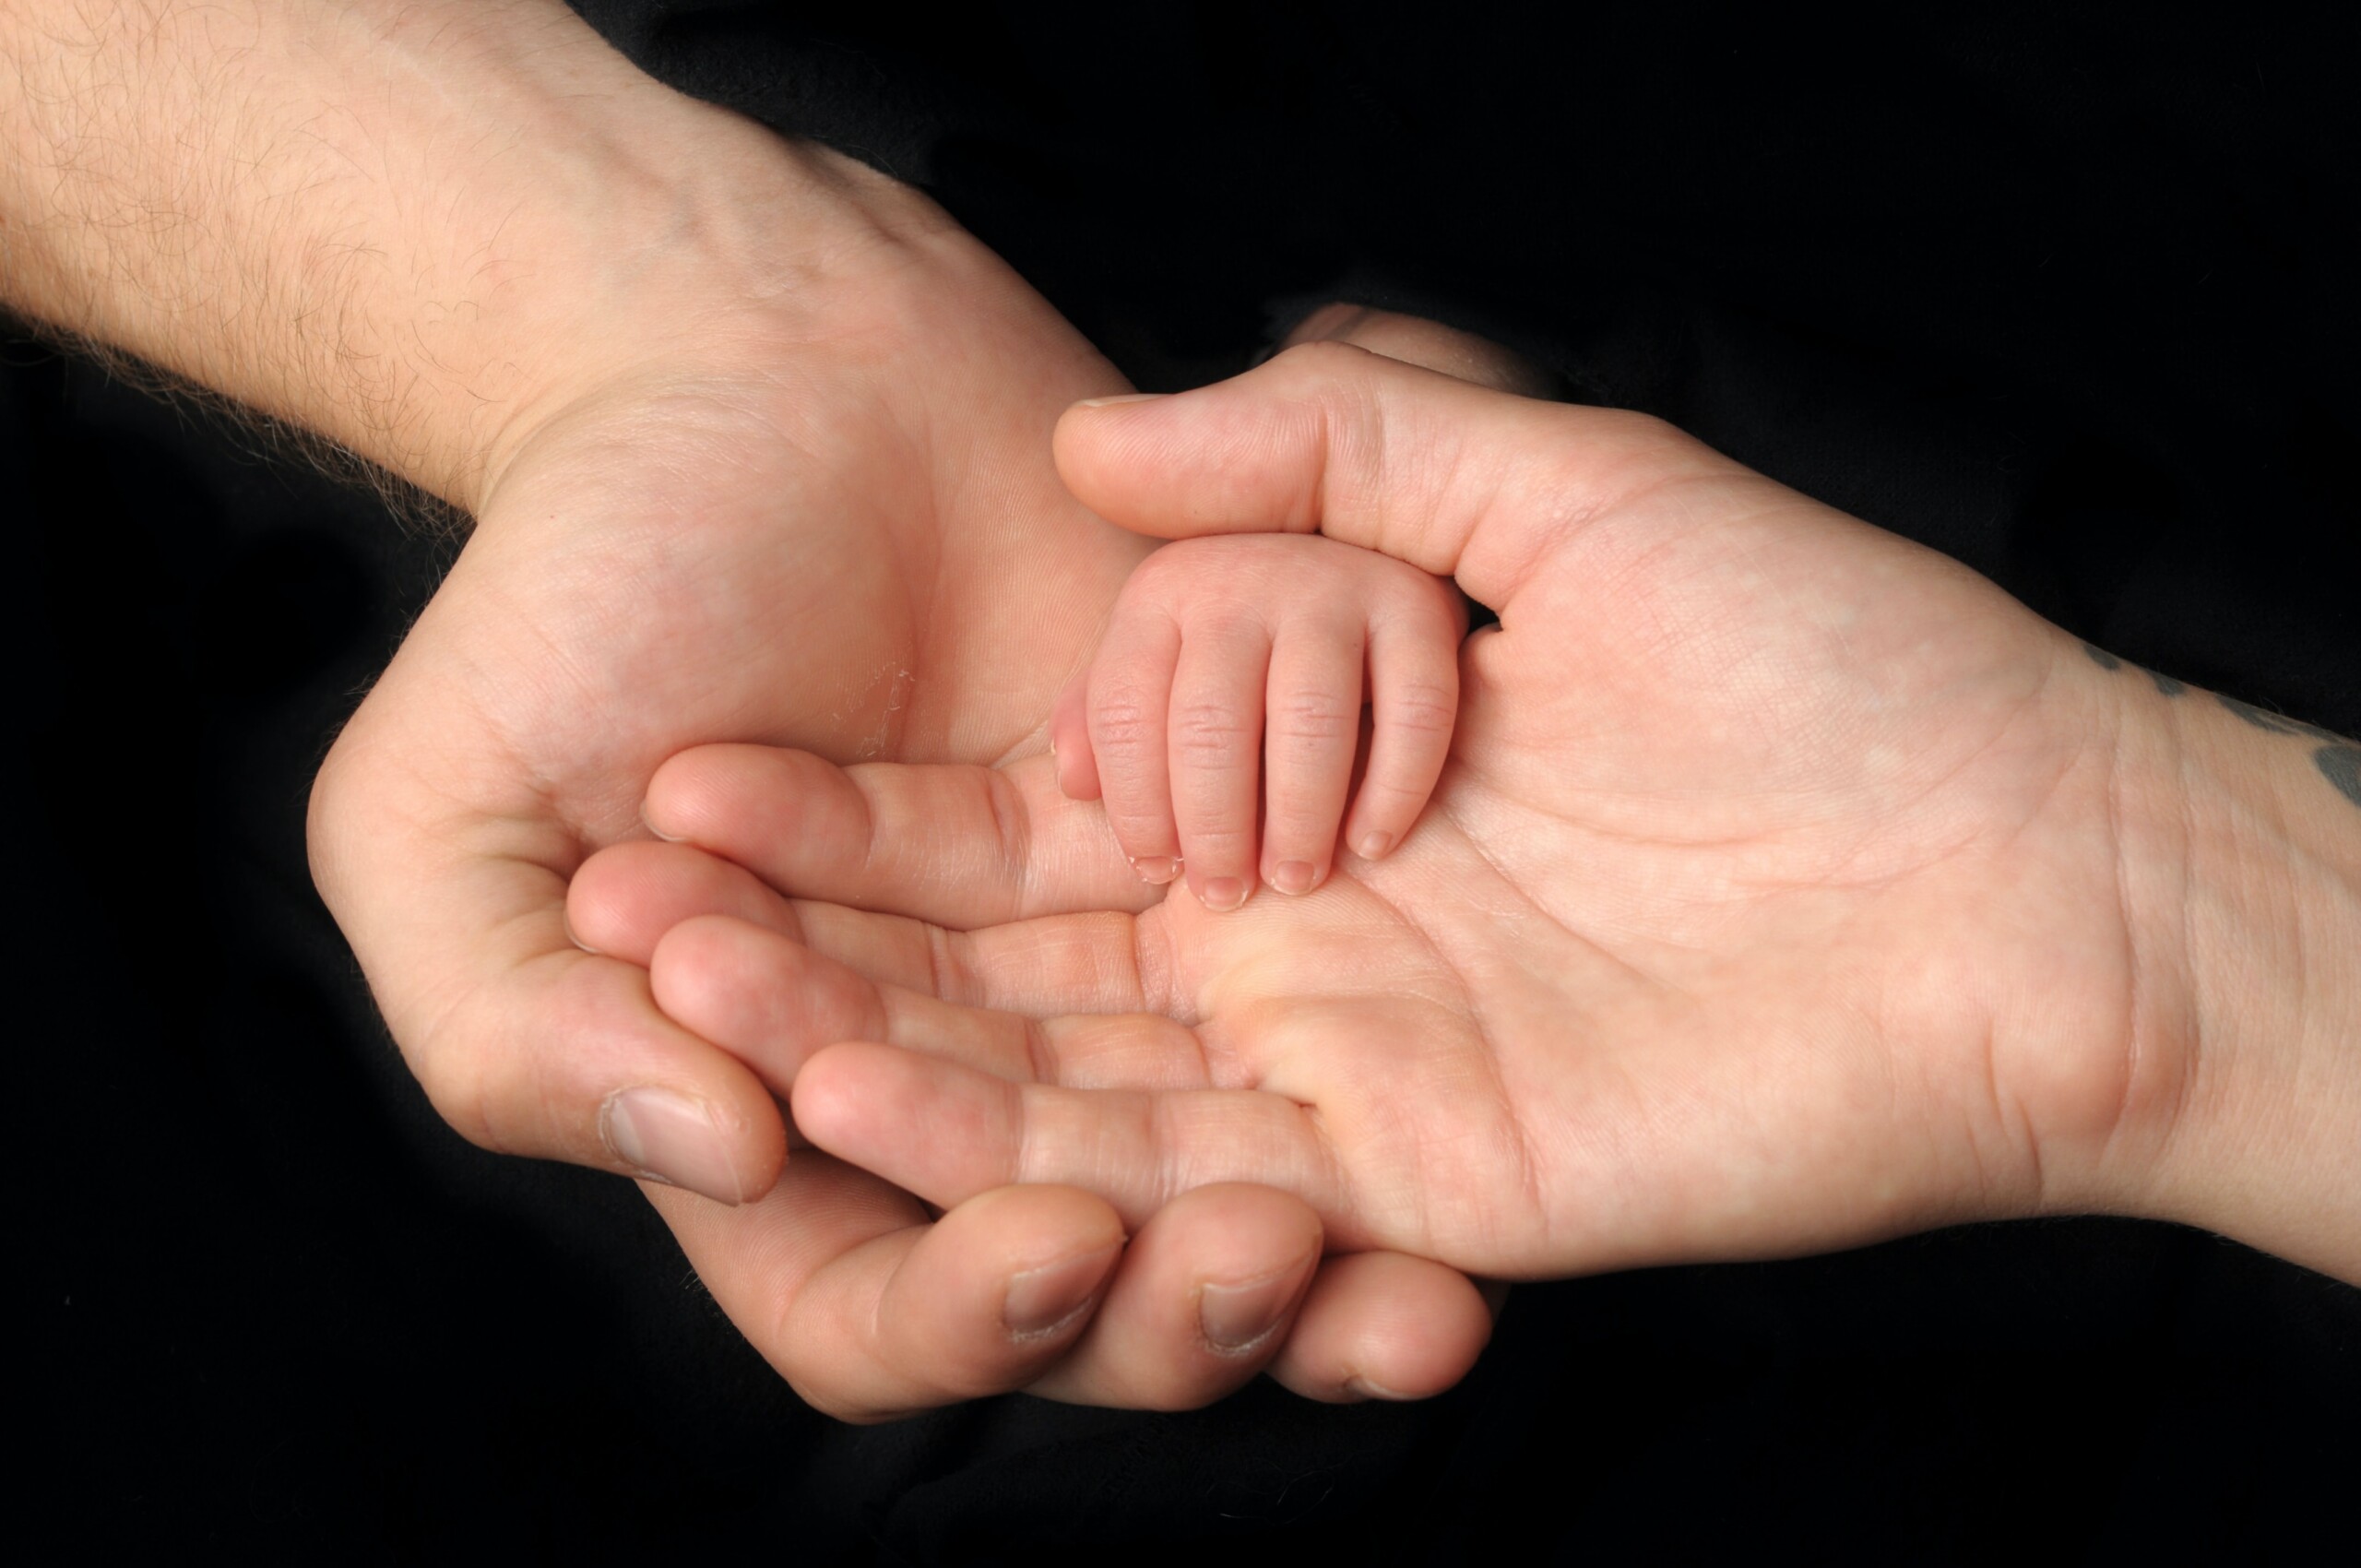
pixel 1384 1325
pixel 624 899
pixel 1294 878
pixel 768 1000
pixel 931 1127
pixel 1060 1247
pixel 1221 894
pixel 830 1094
pixel 1209 1290
pixel 996 1292
pixel 1076 768
pixel 1071 759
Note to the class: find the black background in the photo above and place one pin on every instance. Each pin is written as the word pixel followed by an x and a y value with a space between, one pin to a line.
pixel 2071 299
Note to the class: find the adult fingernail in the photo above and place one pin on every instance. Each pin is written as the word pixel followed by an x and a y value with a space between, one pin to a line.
pixel 1042 1301
pixel 1292 876
pixel 671 1138
pixel 1372 844
pixel 1125 398
pixel 1223 894
pixel 1235 1318
pixel 1156 869
pixel 1360 1387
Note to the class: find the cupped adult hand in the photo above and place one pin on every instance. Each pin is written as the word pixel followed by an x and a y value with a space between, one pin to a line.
pixel 755 444
pixel 1790 886
pixel 832 525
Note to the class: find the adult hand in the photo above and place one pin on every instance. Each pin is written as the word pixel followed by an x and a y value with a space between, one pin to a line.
pixel 755 442
pixel 1790 886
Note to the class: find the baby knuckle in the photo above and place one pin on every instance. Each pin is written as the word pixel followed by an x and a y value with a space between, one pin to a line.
pixel 1121 726
pixel 1420 708
pixel 1313 716
pixel 1210 734
pixel 1142 832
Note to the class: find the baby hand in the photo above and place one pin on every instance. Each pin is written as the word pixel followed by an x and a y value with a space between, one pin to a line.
pixel 1243 655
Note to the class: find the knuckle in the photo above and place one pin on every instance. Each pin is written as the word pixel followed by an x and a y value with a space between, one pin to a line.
pixel 1420 707
pixel 1211 735
pixel 1300 834
pixel 1142 833
pixel 1121 725
pixel 1314 718
pixel 1217 848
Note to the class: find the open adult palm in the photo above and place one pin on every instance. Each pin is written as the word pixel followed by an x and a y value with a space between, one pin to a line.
pixel 1773 899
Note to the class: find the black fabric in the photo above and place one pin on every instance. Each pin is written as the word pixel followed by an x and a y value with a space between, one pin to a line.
pixel 2067 297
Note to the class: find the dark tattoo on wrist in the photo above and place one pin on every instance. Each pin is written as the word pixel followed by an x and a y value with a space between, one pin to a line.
pixel 2341 765
pixel 2276 723
pixel 2339 761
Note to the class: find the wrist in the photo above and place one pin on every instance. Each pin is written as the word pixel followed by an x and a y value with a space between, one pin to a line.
pixel 710 245
pixel 2241 878
pixel 405 228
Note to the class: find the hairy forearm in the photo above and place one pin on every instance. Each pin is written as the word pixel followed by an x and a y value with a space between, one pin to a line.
pixel 2243 874
pixel 393 223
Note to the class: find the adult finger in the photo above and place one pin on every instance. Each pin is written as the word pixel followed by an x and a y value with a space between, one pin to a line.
pixel 871 1312
pixel 628 897
pixel 1383 1326
pixel 1214 1283
pixel 773 1002
pixel 960 845
pixel 1455 479
pixel 624 898
pixel 860 1101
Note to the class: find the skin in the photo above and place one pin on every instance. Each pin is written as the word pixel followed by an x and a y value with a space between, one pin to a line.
pixel 755 444
pixel 1231 678
pixel 1789 887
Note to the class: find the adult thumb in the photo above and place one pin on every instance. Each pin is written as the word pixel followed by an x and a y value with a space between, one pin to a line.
pixel 1452 478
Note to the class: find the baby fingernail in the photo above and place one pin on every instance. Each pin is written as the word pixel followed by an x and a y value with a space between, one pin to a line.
pixel 1156 869
pixel 1223 894
pixel 1293 876
pixel 671 1138
pixel 1372 844
pixel 1040 1300
pixel 1237 1317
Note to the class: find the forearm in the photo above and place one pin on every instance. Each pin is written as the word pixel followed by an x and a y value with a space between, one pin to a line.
pixel 2245 876
pixel 390 223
